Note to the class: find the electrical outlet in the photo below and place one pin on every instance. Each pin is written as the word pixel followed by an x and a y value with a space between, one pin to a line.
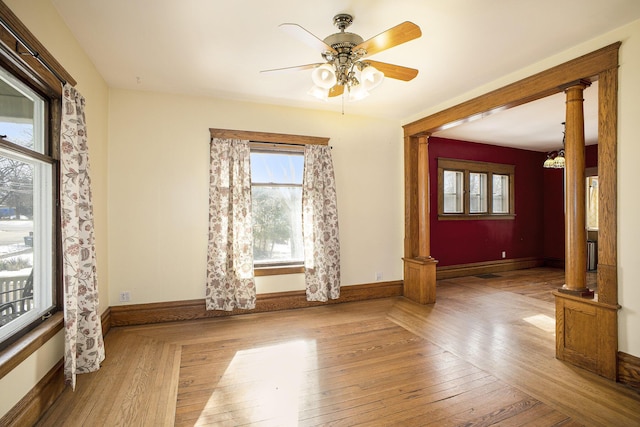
pixel 125 296
pixel 504 254
pixel 378 276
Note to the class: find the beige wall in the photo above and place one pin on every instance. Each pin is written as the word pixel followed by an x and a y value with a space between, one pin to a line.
pixel 45 23
pixel 158 190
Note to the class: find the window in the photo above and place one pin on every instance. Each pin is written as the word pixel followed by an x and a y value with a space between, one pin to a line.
pixel 276 197
pixel 26 207
pixel 464 188
pixel 592 203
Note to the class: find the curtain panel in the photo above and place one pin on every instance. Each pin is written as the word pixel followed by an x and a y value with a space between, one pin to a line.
pixel 84 346
pixel 230 280
pixel 320 225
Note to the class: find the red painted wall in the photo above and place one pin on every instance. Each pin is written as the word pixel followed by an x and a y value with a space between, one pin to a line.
pixel 554 206
pixel 468 241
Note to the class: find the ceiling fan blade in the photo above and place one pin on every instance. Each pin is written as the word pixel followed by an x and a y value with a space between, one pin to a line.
pixel 394 71
pixel 296 68
pixel 337 90
pixel 399 34
pixel 305 36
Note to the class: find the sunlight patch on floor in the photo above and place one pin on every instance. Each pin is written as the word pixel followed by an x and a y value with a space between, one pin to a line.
pixel 271 379
pixel 542 321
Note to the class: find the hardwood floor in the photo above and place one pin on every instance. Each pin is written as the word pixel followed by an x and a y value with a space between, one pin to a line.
pixel 482 355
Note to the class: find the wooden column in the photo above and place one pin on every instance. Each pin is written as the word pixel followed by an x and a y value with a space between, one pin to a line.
pixel 419 266
pixel 423 198
pixel 575 215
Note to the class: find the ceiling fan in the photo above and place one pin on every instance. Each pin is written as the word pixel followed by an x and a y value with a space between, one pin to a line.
pixel 344 53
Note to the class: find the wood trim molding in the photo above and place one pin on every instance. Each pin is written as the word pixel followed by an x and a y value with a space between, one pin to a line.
pixel 268 137
pixel 537 86
pixel 31 407
pixel 460 270
pixel 140 314
pixel 10 44
pixel 629 370
pixel 26 345
pixel 587 334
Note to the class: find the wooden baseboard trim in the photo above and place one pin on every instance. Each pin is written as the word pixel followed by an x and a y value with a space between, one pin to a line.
pixel 554 263
pixel 31 407
pixel 629 370
pixel 141 314
pixel 451 271
pixel 105 319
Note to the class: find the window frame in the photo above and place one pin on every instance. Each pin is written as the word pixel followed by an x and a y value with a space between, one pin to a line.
pixel 467 167
pixel 24 57
pixel 276 141
pixel 262 269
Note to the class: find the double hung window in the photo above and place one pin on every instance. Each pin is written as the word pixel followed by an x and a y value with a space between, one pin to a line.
pixel 26 207
pixel 276 198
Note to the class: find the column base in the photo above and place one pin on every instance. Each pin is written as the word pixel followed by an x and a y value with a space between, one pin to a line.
pixel 420 279
pixel 582 293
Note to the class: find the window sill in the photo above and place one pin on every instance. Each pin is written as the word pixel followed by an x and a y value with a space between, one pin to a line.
pixel 29 343
pixel 274 271
pixel 445 217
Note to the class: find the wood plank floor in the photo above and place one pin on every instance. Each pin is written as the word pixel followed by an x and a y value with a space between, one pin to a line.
pixel 482 355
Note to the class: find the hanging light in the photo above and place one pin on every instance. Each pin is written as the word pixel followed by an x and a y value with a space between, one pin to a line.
pixel 370 77
pixel 549 162
pixel 318 92
pixel 557 161
pixel 358 92
pixel 324 76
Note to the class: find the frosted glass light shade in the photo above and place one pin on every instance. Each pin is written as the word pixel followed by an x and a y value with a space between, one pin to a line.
pixel 371 77
pixel 323 76
pixel 320 93
pixel 358 92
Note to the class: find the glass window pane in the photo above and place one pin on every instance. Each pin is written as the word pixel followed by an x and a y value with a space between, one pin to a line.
pixel 453 191
pixel 477 192
pixel 592 203
pixel 277 225
pixel 16 240
pixel 500 202
pixel 276 168
pixel 21 113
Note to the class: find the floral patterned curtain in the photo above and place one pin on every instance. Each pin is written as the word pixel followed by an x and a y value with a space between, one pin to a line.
pixel 84 346
pixel 320 225
pixel 230 281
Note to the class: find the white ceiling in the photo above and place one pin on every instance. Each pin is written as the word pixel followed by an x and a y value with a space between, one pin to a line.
pixel 218 48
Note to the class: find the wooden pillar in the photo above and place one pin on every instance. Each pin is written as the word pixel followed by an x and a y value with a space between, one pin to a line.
pixel 419 266
pixel 575 198
pixel 423 198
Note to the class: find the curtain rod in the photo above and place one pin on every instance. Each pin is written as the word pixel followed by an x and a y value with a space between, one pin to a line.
pixel 280 144
pixel 30 51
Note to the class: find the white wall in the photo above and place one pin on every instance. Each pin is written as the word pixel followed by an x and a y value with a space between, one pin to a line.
pixel 628 171
pixel 44 22
pixel 158 190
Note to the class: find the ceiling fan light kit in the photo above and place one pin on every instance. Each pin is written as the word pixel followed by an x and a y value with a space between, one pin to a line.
pixel 345 72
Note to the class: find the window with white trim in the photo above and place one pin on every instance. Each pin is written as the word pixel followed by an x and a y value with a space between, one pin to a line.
pixel 26 208
pixel 276 193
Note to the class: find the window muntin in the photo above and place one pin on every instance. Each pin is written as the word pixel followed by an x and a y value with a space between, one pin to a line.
pixel 482 190
pixel 276 192
pixel 26 209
